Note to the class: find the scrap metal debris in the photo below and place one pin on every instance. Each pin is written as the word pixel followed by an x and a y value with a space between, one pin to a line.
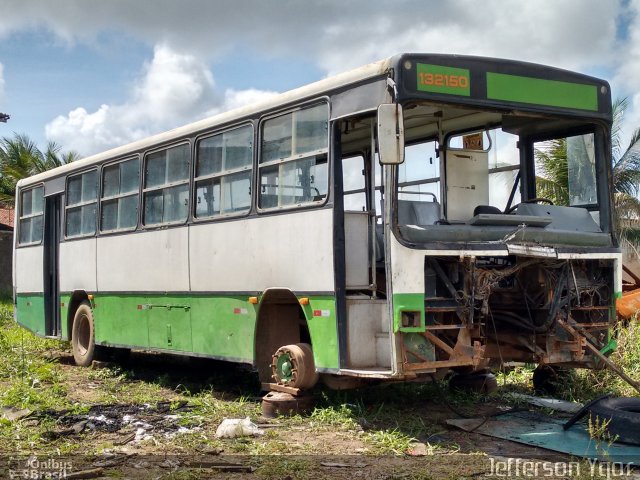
pixel 550 403
pixel 141 422
pixel 13 414
pixel 343 465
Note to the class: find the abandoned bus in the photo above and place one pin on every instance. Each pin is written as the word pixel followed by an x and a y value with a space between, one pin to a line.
pixel 395 222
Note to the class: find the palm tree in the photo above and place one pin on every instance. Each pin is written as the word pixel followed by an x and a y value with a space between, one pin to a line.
pixel 552 176
pixel 21 158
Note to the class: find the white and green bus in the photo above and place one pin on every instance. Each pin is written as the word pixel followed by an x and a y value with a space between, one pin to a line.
pixel 388 223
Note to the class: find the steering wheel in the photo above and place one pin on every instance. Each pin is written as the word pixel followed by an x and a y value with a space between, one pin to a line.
pixel 531 200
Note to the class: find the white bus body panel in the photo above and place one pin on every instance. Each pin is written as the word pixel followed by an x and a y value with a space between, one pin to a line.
pixel 152 261
pixel 29 278
pixel 77 267
pixel 407 267
pixel 293 250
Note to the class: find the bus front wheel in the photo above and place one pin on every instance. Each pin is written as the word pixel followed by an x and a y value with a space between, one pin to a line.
pixel 83 336
pixel 293 366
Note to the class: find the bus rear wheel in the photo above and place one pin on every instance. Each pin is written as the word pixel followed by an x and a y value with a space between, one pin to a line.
pixel 293 366
pixel 83 342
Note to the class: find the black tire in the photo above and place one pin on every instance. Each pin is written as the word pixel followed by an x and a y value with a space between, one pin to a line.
pixel 83 342
pixel 623 415
pixel 474 382
pixel 550 380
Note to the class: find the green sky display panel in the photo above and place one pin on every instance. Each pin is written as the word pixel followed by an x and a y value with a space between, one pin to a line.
pixel 553 93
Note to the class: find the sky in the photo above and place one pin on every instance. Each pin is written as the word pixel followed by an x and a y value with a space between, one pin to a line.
pixel 91 75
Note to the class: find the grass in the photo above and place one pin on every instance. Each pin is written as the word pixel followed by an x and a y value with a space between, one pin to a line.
pixel 28 379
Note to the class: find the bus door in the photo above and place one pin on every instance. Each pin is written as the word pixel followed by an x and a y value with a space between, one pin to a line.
pixel 364 244
pixel 52 230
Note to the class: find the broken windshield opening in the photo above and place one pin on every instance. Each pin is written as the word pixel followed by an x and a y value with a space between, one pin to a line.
pixel 466 177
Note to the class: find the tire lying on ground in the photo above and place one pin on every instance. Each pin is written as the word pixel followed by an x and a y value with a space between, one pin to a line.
pixel 623 417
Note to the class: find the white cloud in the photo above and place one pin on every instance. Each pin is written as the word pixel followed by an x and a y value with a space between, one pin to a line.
pixel 333 34
pixel 338 34
pixel 175 89
pixel 570 34
pixel 626 81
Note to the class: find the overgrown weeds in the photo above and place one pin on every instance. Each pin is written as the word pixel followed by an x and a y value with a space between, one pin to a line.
pixel 584 385
pixel 28 378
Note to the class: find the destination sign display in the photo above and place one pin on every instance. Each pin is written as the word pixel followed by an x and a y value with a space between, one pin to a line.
pixel 439 79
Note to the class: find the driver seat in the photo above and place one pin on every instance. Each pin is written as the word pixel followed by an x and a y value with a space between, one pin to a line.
pixel 482 209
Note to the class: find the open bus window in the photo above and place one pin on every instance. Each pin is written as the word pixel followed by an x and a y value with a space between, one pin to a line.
pixel 293 159
pixel 223 173
pixel 166 193
pixel 82 201
pixel 480 171
pixel 31 215
pixel 119 202
pixel 565 170
pixel 293 183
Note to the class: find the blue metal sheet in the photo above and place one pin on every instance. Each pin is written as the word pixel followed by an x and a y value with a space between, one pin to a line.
pixel 541 431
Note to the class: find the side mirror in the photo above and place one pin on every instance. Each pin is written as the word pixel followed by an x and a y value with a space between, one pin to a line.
pixel 390 134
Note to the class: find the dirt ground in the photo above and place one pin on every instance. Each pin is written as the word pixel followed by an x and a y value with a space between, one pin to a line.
pixel 156 417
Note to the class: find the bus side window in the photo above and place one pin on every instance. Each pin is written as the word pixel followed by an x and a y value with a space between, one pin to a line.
pixel 119 201
pixel 31 215
pixel 166 189
pixel 223 173
pixel 82 202
pixel 293 158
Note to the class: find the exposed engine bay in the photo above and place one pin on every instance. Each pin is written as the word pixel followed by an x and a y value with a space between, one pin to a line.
pixel 487 311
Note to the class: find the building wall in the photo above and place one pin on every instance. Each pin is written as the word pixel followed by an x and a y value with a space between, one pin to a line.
pixel 6 246
pixel 6 217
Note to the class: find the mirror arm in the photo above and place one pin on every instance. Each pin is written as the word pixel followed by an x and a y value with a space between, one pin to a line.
pixel 393 87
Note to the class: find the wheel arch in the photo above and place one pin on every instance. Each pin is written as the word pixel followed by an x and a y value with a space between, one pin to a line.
pixel 280 320
pixel 77 297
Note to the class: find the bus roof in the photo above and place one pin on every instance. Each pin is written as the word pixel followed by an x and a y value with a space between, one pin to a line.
pixel 359 74
pixel 327 85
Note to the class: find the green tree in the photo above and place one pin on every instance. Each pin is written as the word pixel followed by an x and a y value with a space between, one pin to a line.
pixel 21 158
pixel 552 176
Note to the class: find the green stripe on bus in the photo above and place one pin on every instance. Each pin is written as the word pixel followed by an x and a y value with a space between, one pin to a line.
pixel 321 319
pixel 219 326
pixel 553 93
pixel 30 312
